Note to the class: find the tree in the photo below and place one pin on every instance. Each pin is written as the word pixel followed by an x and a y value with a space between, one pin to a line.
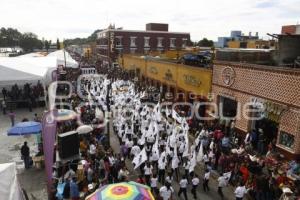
pixel 57 44
pixel 47 45
pixel 205 43
pixel 29 42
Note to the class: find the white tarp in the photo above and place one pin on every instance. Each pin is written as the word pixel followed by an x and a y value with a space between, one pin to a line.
pixel 9 186
pixel 21 70
pixel 60 56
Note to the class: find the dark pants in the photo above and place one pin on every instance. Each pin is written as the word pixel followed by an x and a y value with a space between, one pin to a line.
pixel 154 190
pixel 147 177
pixel 161 176
pixel 183 190
pixel 26 162
pixel 194 189
pixel 220 192
pixel 205 185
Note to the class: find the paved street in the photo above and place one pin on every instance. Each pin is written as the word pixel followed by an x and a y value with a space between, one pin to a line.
pixel 211 195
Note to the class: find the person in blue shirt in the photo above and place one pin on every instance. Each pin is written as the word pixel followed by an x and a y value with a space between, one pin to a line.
pixel 74 191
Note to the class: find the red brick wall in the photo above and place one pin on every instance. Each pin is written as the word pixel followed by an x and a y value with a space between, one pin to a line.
pixel 291 29
pixel 279 86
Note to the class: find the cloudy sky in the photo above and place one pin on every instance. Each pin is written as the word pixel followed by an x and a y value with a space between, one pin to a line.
pixel 210 18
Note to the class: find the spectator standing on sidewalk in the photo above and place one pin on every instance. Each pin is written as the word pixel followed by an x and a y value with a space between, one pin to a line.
pixel 4 107
pixel 25 152
pixel 12 117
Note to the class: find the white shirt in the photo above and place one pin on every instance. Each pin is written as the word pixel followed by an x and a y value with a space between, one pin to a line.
pixel 240 191
pixel 148 170
pixel 222 181
pixel 183 183
pixel 166 193
pixel 92 149
pixel 153 182
pixel 195 181
pixel 207 175
pixel 169 179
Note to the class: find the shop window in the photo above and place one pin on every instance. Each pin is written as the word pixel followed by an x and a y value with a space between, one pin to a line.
pixel 184 42
pixel 132 41
pixel 172 42
pixel 286 139
pixel 159 42
pixel 146 41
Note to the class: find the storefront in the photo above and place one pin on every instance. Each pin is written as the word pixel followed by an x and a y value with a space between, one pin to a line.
pixel 261 98
pixel 184 83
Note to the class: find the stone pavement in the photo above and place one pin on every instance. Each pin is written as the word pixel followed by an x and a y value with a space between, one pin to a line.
pixel 32 180
pixel 201 195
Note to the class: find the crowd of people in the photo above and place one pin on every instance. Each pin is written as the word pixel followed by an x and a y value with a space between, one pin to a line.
pixel 156 138
pixel 29 94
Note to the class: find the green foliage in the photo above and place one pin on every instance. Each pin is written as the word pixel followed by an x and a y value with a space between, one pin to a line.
pixel 12 37
pixel 57 44
pixel 81 41
pixel 205 43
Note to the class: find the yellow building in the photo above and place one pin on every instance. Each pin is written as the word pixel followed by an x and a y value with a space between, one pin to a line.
pixel 252 44
pixel 172 77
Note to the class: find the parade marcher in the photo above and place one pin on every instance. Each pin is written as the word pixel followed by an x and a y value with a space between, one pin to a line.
pixel 153 184
pixel 206 180
pixel 240 191
pixel 195 183
pixel 166 192
pixel 183 185
pixel 222 182
pixel 148 172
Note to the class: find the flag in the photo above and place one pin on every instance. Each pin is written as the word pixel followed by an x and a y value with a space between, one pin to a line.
pixel 200 153
pixel 140 158
pixel 186 146
pixel 155 149
pixel 175 160
pixel 176 116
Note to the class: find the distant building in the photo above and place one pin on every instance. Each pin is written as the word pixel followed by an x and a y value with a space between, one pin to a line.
pixel 115 41
pixel 290 29
pixel 10 51
pixel 289 50
pixel 236 40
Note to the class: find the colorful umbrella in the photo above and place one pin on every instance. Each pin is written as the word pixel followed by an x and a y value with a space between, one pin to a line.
pixel 124 191
pixel 25 128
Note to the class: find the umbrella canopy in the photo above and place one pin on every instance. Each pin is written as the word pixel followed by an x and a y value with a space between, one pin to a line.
pixel 65 115
pixel 25 128
pixel 124 191
pixel 84 129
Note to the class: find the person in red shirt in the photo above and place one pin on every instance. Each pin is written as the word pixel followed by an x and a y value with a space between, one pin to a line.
pixel 140 179
pixel 245 172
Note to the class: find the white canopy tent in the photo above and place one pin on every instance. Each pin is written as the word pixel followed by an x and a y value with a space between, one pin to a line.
pixel 21 70
pixel 60 55
pixel 9 186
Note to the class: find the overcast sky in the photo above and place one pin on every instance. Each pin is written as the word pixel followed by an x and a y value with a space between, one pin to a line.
pixel 202 18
